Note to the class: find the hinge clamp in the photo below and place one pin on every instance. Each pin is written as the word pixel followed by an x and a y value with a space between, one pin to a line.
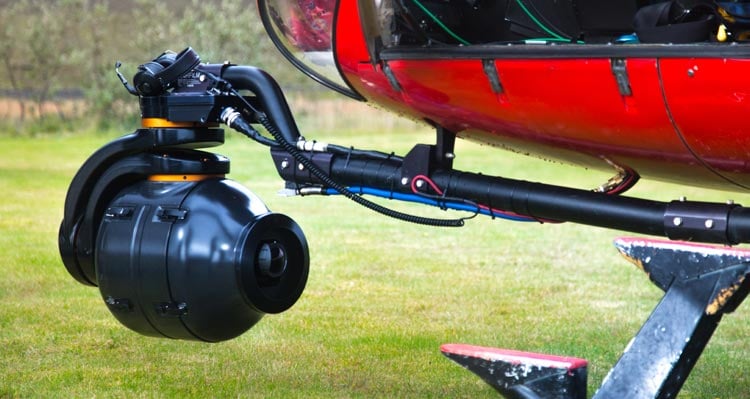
pixel 620 70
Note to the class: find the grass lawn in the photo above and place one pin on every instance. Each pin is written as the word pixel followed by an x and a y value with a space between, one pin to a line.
pixel 381 298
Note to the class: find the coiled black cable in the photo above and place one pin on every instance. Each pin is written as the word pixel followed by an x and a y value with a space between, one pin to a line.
pixel 353 152
pixel 328 181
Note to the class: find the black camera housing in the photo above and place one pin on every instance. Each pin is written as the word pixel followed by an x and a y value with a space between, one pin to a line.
pixel 177 249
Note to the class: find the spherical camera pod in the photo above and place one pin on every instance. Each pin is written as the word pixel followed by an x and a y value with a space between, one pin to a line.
pixel 198 260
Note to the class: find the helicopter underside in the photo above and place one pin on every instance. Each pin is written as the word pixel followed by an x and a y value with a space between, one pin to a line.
pixel 582 89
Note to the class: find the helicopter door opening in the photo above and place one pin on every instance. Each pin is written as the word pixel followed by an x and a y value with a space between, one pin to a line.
pixel 482 22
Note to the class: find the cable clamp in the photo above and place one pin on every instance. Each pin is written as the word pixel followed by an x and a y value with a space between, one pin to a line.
pixel 312 146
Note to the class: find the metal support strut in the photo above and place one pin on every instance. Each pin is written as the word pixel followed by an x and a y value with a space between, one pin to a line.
pixel 701 284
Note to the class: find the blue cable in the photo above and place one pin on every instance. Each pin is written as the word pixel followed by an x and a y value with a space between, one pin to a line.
pixel 429 201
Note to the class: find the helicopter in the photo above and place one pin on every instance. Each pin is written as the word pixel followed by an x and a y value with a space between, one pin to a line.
pixel 636 88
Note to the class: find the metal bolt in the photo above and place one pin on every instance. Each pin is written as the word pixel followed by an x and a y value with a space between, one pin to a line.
pixel 709 224
pixel 202 78
pixel 450 155
pixel 404 181
pixel 284 164
pixel 420 183
pixel 677 221
pixel 301 167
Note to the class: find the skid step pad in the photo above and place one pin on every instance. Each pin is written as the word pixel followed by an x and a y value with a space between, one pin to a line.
pixel 523 375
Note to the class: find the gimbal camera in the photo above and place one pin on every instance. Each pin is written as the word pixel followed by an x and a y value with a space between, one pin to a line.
pixel 177 249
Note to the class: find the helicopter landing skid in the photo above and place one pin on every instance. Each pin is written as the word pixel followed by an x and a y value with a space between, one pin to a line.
pixel 701 284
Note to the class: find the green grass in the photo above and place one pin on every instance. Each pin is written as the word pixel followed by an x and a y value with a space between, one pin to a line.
pixel 381 298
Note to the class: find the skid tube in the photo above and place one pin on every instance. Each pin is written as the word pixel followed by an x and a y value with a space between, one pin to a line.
pixel 701 284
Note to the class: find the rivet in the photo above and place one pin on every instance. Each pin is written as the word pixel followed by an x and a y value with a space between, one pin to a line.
pixel 420 183
pixel 404 181
pixel 284 164
pixel 677 221
pixel 709 224
pixel 301 167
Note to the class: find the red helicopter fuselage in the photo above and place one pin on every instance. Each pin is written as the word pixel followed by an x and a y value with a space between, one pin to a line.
pixel 673 112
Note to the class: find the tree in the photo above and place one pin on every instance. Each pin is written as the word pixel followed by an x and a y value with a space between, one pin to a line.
pixel 38 48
